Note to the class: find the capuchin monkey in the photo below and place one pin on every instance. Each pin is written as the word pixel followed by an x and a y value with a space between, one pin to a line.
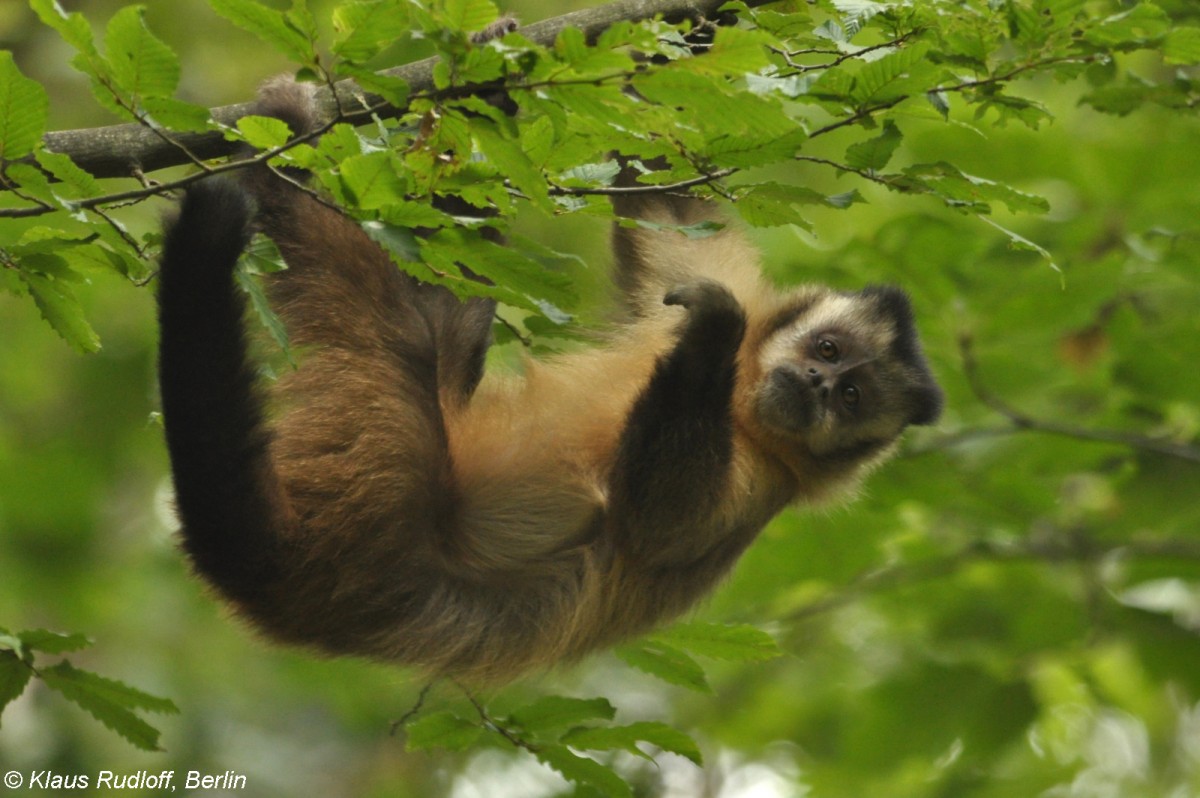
pixel 392 500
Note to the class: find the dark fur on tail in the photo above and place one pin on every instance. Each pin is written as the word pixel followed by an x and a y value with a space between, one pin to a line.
pixel 213 420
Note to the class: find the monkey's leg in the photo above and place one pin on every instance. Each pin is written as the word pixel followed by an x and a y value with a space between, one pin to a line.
pixel 674 456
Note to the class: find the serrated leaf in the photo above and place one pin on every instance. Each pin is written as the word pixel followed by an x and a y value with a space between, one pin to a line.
pixel 59 306
pixel 68 173
pixel 765 206
pixel 253 263
pixel 264 132
pixel 584 771
pixel 269 25
pixel 32 181
pixel 603 173
pixel 510 160
pixel 372 180
pixel 394 90
pixel 442 730
pixel 553 712
pixel 75 31
pixel 175 114
pixel 626 738
pixel 1119 100
pixel 857 13
pixel 110 702
pixel 1141 25
pixel 23 105
pixel 973 194
pixel 903 72
pixel 470 15
pixel 667 663
pixel 366 28
pixel 53 642
pixel 874 154
pixel 1182 46
pixel 1019 242
pixel 732 643
pixel 543 290
pixel 14 676
pixel 142 65
pixel 734 52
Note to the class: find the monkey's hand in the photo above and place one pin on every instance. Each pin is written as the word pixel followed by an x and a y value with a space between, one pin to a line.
pixel 716 321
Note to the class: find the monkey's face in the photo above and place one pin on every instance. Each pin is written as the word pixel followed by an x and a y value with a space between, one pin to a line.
pixel 843 375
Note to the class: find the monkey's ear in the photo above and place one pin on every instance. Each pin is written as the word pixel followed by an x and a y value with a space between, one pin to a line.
pixel 927 402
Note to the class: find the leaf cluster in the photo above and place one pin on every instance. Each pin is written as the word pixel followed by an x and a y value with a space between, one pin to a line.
pixel 510 125
pixel 559 731
pixel 111 702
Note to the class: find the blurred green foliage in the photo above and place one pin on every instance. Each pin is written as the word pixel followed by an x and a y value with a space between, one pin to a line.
pixel 1011 608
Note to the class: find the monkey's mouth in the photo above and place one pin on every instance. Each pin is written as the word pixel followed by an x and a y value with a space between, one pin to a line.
pixel 789 401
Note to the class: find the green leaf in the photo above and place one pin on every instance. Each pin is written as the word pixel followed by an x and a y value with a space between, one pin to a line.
pixel 583 771
pixel 271 26
pixel 1182 46
pixel 548 292
pixel 969 193
pixel 1141 25
pixel 141 64
pixel 14 676
pixel 735 643
pixel 75 31
pixel 734 52
pixel 442 730
pixel 667 663
pixel 176 114
pixel 264 132
pixel 23 105
pixel 857 13
pixel 53 642
pixel 904 72
pixel 59 306
pixel 556 712
pixel 263 258
pixel 365 28
pixel 626 738
pixel 874 154
pixel 470 15
pixel 110 702
pixel 373 180
pixel 67 172
pixel 510 160
pixel 1019 242
pixel 773 204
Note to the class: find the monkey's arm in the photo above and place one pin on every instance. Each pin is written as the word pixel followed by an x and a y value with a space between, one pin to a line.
pixel 674 458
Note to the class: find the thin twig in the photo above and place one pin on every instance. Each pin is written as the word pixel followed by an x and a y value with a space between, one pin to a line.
pixel 495 726
pixel 1023 421
pixel 403 720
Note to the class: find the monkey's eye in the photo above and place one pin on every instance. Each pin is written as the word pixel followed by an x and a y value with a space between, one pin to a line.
pixel 827 349
pixel 850 395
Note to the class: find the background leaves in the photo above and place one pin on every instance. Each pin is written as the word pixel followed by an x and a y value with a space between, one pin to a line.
pixel 1007 610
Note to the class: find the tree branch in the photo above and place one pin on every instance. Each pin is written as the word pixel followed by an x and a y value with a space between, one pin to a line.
pixel 120 150
pixel 1021 421
pixel 1057 550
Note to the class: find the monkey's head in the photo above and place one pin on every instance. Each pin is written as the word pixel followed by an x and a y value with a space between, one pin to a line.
pixel 842 374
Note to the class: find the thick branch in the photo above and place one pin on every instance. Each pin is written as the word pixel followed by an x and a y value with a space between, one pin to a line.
pixel 119 150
